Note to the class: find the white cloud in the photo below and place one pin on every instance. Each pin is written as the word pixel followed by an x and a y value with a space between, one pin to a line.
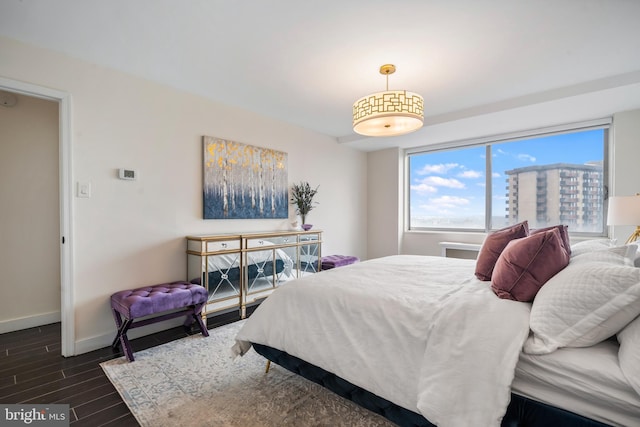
pixel 495 175
pixel 449 202
pixel 431 209
pixel 500 151
pixel 437 181
pixel 441 168
pixel 526 158
pixel 470 174
pixel 424 188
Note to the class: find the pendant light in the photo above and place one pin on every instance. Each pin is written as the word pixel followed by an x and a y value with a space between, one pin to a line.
pixel 388 113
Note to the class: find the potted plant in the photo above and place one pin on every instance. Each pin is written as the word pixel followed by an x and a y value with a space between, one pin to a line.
pixel 302 197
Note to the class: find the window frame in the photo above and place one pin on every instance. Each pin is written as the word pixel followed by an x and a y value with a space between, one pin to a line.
pixel 488 142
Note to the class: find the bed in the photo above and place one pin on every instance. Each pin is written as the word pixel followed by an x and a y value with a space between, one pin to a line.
pixel 424 342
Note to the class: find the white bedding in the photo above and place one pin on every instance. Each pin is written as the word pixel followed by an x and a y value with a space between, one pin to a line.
pixel 437 342
pixel 600 392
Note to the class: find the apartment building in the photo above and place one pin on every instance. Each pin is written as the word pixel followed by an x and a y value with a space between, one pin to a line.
pixel 557 193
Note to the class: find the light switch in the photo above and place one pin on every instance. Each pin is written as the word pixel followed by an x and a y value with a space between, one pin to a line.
pixel 84 189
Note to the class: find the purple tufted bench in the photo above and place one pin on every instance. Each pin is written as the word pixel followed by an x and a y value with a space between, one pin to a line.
pixel 333 261
pixel 187 298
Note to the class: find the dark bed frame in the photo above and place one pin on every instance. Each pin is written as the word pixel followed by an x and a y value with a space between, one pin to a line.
pixel 522 412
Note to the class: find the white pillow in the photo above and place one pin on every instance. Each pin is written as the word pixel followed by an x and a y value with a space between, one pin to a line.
pixel 618 255
pixel 590 246
pixel 584 304
pixel 596 245
pixel 629 353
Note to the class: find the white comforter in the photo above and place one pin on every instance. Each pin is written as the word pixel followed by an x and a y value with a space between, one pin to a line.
pixel 419 331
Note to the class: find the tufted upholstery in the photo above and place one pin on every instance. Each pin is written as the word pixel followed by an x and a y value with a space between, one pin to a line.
pixel 333 261
pixel 155 299
pixel 156 303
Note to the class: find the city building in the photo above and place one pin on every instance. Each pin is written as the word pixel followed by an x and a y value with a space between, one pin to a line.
pixel 557 193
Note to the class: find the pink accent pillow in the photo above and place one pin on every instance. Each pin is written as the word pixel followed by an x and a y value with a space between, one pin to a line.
pixel 564 234
pixel 493 246
pixel 526 264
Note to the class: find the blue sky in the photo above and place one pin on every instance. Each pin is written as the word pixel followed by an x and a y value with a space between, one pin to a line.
pixel 452 183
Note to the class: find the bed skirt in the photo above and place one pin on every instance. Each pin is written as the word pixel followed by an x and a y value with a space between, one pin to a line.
pixel 522 412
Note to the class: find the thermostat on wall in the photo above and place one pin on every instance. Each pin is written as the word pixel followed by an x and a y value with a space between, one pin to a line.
pixel 128 174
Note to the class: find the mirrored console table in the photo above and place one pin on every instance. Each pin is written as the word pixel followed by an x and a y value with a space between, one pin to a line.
pixel 240 269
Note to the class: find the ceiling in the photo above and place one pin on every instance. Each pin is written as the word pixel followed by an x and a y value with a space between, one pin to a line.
pixel 483 66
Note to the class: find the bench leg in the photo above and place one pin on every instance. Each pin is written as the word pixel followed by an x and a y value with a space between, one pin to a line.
pixel 119 325
pixel 121 335
pixel 196 315
pixel 203 327
pixel 124 340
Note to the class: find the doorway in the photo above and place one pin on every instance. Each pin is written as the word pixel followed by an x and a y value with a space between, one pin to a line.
pixel 65 190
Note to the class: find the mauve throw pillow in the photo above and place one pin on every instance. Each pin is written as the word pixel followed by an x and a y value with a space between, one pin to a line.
pixel 493 246
pixel 564 234
pixel 526 264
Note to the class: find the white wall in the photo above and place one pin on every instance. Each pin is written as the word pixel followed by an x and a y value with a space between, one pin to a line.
pixel 30 218
pixel 625 170
pixel 384 202
pixel 131 233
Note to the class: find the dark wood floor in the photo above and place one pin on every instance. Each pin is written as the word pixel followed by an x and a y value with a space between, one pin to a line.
pixel 32 371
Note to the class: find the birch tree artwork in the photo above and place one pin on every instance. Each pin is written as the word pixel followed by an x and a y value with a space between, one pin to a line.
pixel 242 181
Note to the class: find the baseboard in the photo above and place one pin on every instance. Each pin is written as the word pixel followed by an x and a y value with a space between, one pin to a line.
pixel 101 341
pixel 29 322
pixel 93 343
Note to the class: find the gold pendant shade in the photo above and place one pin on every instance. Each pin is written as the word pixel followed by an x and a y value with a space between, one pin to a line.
pixel 388 113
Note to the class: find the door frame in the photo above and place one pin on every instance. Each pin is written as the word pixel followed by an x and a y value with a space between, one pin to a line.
pixel 66 202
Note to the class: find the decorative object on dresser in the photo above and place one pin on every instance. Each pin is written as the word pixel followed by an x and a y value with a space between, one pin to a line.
pixel 302 197
pixel 242 181
pixel 625 211
pixel 240 269
pixel 159 301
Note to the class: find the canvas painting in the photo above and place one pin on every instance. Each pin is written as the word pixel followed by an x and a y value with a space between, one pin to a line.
pixel 243 181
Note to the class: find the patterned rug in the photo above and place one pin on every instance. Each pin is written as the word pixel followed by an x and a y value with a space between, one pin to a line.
pixel 196 382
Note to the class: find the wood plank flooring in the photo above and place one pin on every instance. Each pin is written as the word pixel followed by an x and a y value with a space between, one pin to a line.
pixel 32 370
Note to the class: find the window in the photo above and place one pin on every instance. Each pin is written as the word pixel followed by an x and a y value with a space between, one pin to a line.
pixel 547 179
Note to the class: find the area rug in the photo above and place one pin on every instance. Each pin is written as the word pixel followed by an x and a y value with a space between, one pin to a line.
pixel 195 381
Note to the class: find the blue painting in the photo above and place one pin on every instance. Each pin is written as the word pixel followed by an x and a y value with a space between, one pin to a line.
pixel 244 182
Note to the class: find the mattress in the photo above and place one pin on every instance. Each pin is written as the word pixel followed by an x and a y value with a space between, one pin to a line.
pixel 560 379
